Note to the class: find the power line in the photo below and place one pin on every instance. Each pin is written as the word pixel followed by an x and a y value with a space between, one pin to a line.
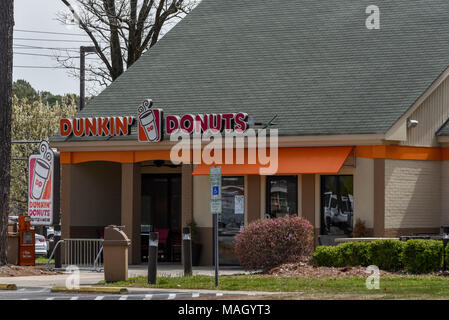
pixel 34 54
pixel 24 46
pixel 53 40
pixel 48 32
pixel 45 67
pixel 49 55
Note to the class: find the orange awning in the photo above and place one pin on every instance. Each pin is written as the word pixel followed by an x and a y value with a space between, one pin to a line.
pixel 292 161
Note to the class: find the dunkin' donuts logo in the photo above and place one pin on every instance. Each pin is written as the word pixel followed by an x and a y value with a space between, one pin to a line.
pixel 152 125
pixel 150 122
pixel 40 196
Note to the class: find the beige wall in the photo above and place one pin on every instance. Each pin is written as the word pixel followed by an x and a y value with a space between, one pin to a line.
pixel 445 192
pixel 431 114
pixel 412 194
pixel 263 196
pixel 364 191
pixel 95 194
pixel 201 201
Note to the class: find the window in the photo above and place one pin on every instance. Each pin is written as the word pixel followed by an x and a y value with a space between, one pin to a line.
pixel 282 196
pixel 337 203
pixel 232 217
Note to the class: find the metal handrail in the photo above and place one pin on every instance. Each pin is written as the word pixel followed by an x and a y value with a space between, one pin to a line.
pixel 98 258
pixel 53 253
pixel 79 252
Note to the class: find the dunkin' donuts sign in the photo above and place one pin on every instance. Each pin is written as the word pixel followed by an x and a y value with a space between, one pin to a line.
pixel 40 186
pixel 152 124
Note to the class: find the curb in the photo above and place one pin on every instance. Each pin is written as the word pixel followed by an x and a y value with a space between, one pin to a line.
pixel 90 290
pixel 8 286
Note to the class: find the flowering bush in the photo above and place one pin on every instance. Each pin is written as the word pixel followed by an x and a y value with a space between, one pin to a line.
pixel 265 244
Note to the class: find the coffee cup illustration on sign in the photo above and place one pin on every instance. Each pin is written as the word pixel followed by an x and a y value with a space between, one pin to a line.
pixel 150 121
pixel 41 172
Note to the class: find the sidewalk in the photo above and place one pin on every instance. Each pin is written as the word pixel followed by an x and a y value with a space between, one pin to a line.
pixel 92 278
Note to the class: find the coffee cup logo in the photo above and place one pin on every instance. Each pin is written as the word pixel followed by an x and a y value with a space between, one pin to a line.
pixel 41 171
pixel 150 122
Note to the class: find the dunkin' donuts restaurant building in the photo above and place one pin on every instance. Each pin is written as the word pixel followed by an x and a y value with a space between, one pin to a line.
pixel 362 117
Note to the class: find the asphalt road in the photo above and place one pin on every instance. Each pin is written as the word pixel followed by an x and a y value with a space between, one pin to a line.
pixel 41 293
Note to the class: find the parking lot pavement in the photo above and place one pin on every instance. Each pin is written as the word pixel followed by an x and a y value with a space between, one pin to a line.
pixel 36 293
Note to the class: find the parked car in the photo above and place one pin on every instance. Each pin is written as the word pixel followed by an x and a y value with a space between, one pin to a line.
pixel 13 219
pixel 41 245
pixel 50 232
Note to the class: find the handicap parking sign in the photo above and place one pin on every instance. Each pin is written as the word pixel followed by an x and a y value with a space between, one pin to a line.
pixel 215 191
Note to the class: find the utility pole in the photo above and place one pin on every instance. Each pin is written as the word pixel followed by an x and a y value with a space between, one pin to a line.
pixel 6 56
pixel 83 51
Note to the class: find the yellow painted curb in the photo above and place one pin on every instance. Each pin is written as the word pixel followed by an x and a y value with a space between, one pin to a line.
pixel 90 290
pixel 8 286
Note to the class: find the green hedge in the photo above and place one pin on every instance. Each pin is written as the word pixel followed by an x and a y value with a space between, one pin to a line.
pixel 416 256
pixel 422 256
pixel 387 254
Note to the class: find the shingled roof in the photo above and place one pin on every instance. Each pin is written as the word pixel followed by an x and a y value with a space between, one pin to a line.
pixel 314 63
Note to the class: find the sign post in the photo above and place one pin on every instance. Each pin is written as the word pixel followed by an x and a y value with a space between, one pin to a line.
pixel 215 208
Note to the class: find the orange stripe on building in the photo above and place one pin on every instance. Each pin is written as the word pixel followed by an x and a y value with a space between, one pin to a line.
pixel 370 152
pixel 402 153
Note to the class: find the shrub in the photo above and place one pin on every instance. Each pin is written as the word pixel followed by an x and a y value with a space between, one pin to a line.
pixel 386 254
pixel 360 229
pixel 446 257
pixel 265 244
pixel 422 256
pixel 354 254
pixel 326 256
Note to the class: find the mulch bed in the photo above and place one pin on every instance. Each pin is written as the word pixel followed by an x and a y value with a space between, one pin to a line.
pixel 19 271
pixel 303 269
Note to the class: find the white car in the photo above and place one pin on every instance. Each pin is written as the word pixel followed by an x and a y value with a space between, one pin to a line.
pixel 41 246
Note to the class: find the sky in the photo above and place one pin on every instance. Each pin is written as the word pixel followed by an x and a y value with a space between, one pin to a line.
pixel 40 15
pixel 36 25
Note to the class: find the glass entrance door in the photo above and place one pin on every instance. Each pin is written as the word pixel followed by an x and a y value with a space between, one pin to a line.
pixel 161 212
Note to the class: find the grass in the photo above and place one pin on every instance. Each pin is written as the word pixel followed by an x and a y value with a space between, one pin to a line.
pixel 43 260
pixel 391 287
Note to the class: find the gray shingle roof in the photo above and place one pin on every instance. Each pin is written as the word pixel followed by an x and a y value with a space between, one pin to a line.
pixel 444 130
pixel 312 62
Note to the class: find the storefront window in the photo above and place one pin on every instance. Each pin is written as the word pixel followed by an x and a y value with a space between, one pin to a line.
pixel 337 203
pixel 282 196
pixel 232 219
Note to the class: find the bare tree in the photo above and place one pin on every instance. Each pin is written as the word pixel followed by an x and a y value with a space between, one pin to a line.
pixel 6 41
pixel 120 30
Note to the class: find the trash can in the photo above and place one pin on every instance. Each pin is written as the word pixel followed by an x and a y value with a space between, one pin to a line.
pixel 115 254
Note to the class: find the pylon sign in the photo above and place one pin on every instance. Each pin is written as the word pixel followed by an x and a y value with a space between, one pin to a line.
pixel 40 185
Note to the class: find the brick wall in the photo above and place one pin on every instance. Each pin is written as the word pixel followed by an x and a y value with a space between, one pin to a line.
pixel 412 194
pixel 445 192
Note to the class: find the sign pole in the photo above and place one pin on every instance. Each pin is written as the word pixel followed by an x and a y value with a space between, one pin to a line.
pixel 216 248
pixel 215 208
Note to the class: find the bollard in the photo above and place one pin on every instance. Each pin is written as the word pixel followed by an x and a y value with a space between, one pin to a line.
pixel 187 245
pixel 58 260
pixel 152 257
